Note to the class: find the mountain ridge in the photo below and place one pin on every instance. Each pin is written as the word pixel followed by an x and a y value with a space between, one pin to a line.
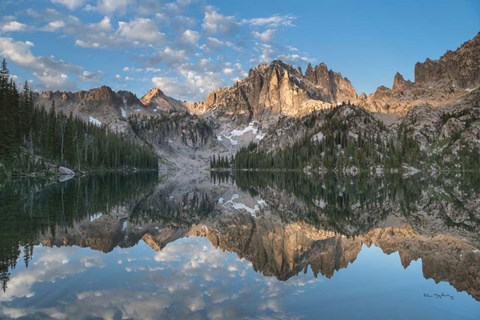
pixel 453 71
pixel 271 99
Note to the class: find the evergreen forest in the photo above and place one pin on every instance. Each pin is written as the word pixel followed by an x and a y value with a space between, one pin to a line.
pixel 34 140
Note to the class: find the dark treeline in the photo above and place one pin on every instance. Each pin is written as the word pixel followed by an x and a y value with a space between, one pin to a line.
pixel 32 207
pixel 222 162
pixel 336 147
pixel 335 141
pixel 32 138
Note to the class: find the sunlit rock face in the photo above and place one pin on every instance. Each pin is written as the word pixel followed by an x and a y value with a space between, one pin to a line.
pixel 156 100
pixel 437 82
pixel 459 66
pixel 279 89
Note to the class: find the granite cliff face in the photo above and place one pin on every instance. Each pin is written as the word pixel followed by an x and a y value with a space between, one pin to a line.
pixel 459 67
pixel 437 82
pixel 279 89
pixel 328 86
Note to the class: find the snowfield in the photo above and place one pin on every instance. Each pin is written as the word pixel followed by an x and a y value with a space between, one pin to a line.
pixel 239 133
pixel 94 121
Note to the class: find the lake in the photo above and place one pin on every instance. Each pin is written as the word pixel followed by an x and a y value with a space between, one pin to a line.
pixel 248 245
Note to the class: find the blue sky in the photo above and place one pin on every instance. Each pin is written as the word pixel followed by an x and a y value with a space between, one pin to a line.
pixel 188 48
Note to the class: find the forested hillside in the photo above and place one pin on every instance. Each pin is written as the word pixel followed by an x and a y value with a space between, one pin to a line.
pixel 34 140
pixel 348 138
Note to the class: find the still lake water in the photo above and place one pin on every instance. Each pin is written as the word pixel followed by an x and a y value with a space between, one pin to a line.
pixel 268 246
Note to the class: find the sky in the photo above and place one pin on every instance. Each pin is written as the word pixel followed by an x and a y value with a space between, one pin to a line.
pixel 188 48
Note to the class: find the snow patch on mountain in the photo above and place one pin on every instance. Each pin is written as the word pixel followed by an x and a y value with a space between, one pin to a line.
pixel 94 121
pixel 239 133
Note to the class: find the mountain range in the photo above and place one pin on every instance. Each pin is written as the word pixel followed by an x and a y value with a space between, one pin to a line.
pixel 274 104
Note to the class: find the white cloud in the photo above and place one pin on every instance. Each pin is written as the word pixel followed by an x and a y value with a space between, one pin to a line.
pixel 267 53
pixel 166 38
pixel 228 71
pixel 112 6
pixel 105 24
pixel 274 21
pixel 169 85
pixel 265 36
pixel 52 73
pixel 140 29
pixel 13 26
pixel 295 58
pixel 202 82
pixel 189 82
pixel 70 4
pixel 54 25
pixel 88 76
pixel 215 22
pixel 53 80
pixel 18 52
pixel 190 36
pixel 213 43
pixel 86 44
pixel 169 56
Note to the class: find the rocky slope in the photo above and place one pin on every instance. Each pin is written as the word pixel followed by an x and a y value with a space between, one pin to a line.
pixel 102 104
pixel 449 135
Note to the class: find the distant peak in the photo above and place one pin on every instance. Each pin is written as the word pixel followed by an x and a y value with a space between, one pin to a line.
pixel 154 92
pixel 151 95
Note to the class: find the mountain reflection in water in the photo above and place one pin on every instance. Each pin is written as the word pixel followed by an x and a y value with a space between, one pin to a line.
pixel 289 228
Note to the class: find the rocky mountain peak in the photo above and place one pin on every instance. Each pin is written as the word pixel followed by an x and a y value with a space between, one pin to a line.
pixel 157 100
pixel 152 94
pixel 437 82
pixel 399 83
pixel 460 67
pixel 329 86
pixel 279 88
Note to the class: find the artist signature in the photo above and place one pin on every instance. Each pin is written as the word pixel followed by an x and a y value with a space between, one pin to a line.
pixel 438 295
